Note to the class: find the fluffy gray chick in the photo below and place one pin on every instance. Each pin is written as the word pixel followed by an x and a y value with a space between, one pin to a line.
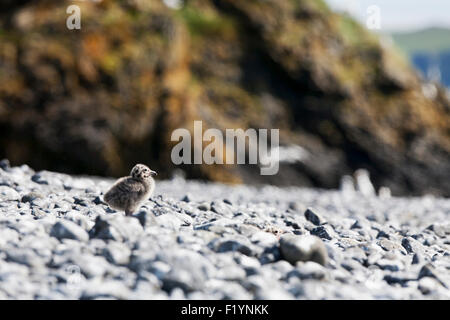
pixel 128 193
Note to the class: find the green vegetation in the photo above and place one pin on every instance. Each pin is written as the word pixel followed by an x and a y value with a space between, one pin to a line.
pixel 320 5
pixel 206 22
pixel 428 40
pixel 353 33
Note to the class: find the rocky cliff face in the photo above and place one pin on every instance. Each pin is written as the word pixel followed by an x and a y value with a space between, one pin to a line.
pixel 100 99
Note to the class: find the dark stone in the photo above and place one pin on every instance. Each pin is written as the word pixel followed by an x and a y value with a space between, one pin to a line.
pixel 396 280
pixel 65 229
pixel 233 245
pixel 356 225
pixel 382 234
pixel 407 245
pixel 4 164
pixel 145 218
pixel 186 198
pixel 428 270
pixel 270 255
pixel 313 217
pixel 204 206
pixel 321 232
pixel 98 201
pixel 384 264
pixel 38 179
pixel 30 197
pixel 292 223
pixel 417 236
pixel 80 202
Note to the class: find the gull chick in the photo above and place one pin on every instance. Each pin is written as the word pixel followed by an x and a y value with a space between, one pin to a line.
pixel 128 193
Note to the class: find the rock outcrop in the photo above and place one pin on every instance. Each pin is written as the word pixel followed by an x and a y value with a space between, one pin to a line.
pixel 100 99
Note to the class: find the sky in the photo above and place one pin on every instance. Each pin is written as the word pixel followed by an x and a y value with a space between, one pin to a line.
pixel 400 15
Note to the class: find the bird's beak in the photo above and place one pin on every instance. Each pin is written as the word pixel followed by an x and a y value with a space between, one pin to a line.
pixel 153 173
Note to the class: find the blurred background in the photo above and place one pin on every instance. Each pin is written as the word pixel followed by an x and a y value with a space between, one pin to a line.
pixel 421 29
pixel 98 99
